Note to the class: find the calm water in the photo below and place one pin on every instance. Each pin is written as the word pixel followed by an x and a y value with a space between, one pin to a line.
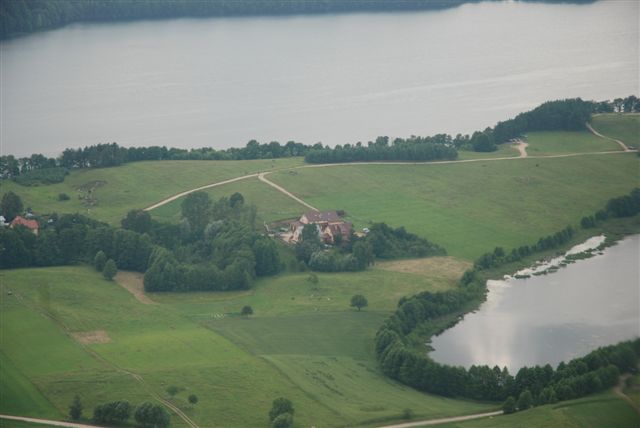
pixel 548 319
pixel 333 78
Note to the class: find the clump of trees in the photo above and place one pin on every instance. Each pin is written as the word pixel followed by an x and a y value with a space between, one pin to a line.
pixel 219 249
pixel 35 177
pixel 216 246
pixel 281 413
pixel 151 415
pixel 115 412
pixel 411 149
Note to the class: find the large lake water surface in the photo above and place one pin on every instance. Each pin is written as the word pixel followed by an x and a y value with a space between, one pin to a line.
pixel 330 78
pixel 551 318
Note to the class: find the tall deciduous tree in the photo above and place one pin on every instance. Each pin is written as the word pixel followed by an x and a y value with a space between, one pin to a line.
pixel 75 409
pixel 110 270
pixel 280 405
pixel 359 301
pixel 11 205
pixel 195 208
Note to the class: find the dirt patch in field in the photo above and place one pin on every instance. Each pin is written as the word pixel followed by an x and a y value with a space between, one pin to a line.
pixel 134 284
pixel 91 337
pixel 446 268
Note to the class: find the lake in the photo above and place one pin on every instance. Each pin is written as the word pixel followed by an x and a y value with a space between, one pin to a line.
pixel 332 78
pixel 551 318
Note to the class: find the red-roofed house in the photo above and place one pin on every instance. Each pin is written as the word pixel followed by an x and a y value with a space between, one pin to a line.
pixel 328 223
pixel 32 225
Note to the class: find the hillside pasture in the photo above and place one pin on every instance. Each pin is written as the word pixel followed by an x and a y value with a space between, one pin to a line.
pixel 559 143
pixel 115 191
pixel 470 208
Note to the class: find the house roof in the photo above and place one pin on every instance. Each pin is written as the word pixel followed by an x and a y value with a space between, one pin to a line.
pixel 342 228
pixel 21 221
pixel 322 216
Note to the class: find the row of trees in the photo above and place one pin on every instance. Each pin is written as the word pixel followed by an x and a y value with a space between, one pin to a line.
pixel 38 169
pixel 355 254
pixel 119 412
pixel 411 149
pixel 623 206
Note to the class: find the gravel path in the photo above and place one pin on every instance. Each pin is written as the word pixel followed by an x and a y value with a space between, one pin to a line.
pixel 429 422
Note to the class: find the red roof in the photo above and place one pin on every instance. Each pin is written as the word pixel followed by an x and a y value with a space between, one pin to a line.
pixel 21 221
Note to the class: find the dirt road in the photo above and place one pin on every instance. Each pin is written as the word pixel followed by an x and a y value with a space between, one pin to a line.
pixel 429 422
pixel 47 422
pixel 285 191
pixel 596 133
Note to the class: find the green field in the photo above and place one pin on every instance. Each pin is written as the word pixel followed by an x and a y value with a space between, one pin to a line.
pixel 559 143
pixel 134 185
pixel 604 410
pixel 231 363
pixel 470 207
pixel 624 127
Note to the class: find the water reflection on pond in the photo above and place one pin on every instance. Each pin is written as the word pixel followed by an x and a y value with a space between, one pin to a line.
pixel 551 318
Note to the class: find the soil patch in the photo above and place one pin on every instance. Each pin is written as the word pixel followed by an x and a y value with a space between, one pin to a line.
pixel 133 282
pixel 446 268
pixel 91 337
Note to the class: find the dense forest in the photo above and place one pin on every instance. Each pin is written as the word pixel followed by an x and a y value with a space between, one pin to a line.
pixel 26 16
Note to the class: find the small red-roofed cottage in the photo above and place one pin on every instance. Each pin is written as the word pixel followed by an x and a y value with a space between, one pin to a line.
pixel 32 225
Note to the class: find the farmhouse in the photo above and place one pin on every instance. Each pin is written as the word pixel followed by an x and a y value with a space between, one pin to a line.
pixel 32 225
pixel 328 223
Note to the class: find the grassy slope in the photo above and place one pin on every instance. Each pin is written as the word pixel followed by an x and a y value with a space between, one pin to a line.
pixel 603 410
pixel 625 127
pixel 136 185
pixel 272 204
pixel 470 207
pixel 557 143
pixel 177 343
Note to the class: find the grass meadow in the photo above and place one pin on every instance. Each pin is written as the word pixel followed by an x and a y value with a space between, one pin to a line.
pixel 299 335
pixel 559 143
pixel 470 207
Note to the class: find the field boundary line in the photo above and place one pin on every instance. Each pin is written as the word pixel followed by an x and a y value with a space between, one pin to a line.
pixel 428 422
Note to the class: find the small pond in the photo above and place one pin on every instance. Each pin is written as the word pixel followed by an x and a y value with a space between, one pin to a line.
pixel 554 317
